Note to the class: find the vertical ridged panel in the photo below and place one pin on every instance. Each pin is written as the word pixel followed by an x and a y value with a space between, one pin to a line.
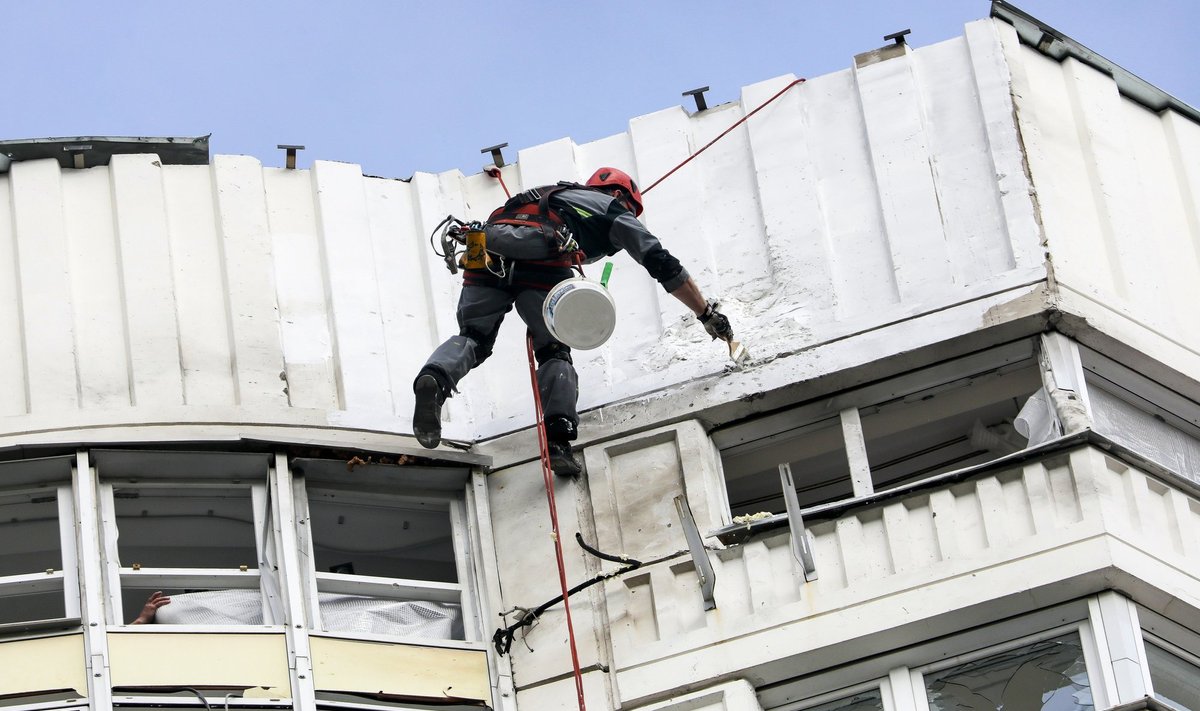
pixel 687 611
pixel 903 169
pixel 360 351
pixel 791 201
pixel 660 142
pixel 1017 509
pixel 433 201
pixel 301 290
pixel 863 275
pixel 205 350
pixel 13 379
pixel 732 220
pixel 634 623
pixel 1060 171
pixel 399 251
pixel 146 280
pixel 1167 243
pixel 732 565
pixel 1183 142
pixel 250 281
pixel 1006 155
pixel 47 311
pixel 96 291
pixel 961 160
pixel 1112 179
pixel 942 510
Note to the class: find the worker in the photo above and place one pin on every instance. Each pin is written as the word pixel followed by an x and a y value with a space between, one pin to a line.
pixel 537 235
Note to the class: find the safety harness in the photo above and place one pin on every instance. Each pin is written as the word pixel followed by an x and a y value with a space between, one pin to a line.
pixel 531 208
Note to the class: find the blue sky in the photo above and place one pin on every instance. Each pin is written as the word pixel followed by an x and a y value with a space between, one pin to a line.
pixel 400 86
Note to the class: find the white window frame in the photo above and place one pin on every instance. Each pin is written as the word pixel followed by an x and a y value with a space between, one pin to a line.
pixel 400 589
pixel 899 673
pixel 847 406
pixel 116 575
pixel 882 684
pixel 1091 659
pixel 1168 635
pixel 64 579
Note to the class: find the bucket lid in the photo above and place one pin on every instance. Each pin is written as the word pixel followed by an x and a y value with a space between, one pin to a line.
pixel 580 313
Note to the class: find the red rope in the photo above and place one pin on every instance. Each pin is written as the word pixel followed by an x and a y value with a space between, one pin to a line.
pixel 723 133
pixel 548 475
pixel 495 173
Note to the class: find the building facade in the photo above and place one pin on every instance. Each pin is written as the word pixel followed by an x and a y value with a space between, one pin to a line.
pixel 961 469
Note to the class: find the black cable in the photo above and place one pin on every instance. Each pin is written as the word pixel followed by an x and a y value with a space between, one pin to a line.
pixel 503 638
pixel 198 696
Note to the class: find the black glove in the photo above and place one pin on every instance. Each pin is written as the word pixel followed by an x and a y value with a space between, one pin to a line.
pixel 715 322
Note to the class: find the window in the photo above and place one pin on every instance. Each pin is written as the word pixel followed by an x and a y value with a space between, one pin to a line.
pixel 1144 415
pixel 937 419
pixel 1046 676
pixel 385 562
pixel 37 531
pixel 1176 680
pixel 191 525
pixel 868 700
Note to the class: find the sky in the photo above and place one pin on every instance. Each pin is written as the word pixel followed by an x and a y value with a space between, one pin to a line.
pixel 400 86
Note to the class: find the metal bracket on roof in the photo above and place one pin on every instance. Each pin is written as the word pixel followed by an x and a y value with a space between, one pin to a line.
pixel 801 547
pixel 698 95
pixel 898 37
pixel 291 154
pixel 497 156
pixel 704 568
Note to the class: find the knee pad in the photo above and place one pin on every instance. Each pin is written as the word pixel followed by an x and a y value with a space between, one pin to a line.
pixel 550 351
pixel 560 429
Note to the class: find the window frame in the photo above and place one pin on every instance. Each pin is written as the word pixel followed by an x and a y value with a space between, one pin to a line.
pixel 1087 643
pixel 64 578
pixel 423 487
pixel 851 406
pixel 195 470
pixel 899 671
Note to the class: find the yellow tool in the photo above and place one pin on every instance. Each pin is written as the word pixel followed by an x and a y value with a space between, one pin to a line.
pixel 476 256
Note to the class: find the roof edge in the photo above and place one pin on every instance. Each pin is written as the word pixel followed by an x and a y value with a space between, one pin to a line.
pixel 1054 44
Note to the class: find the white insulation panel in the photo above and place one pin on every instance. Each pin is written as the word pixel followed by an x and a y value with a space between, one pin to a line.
pixel 236 293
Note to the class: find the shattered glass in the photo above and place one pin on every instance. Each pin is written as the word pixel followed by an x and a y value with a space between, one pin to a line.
pixel 1044 676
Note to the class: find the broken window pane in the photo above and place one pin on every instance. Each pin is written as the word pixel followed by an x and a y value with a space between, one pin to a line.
pixel 1176 681
pixel 1044 676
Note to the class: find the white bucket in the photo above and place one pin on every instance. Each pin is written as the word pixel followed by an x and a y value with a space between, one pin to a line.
pixel 580 313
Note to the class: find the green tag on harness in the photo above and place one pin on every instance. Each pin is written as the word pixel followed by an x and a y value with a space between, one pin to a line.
pixel 607 273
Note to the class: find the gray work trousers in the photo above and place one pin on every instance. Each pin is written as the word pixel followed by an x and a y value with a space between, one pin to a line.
pixel 481 309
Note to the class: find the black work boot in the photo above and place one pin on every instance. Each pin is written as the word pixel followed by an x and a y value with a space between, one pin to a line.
pixel 427 414
pixel 562 462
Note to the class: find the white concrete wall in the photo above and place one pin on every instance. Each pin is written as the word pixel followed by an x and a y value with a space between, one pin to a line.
pixel 1118 188
pixel 889 575
pixel 233 294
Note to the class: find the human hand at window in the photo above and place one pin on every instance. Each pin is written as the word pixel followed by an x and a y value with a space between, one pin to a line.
pixel 150 609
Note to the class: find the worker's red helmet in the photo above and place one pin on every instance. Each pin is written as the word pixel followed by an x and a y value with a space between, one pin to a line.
pixel 613 178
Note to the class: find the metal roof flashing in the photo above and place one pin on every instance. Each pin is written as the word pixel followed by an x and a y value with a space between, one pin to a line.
pixel 1054 44
pixel 92 151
